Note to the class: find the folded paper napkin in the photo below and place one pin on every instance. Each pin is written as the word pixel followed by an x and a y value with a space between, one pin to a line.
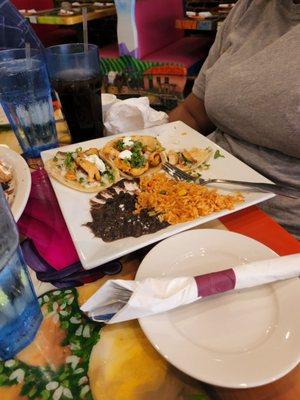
pixel 133 114
pixel 49 249
pixel 70 276
pixel 43 223
pixel 121 300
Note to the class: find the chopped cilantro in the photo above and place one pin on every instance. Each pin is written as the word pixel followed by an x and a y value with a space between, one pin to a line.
pixel 137 160
pixel 81 180
pixel 110 176
pixel 55 159
pixel 218 154
pixel 137 147
pixel 120 145
pixel 185 160
pixel 78 150
pixel 162 192
pixel 69 160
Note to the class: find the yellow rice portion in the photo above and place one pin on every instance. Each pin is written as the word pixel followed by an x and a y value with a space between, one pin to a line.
pixel 177 202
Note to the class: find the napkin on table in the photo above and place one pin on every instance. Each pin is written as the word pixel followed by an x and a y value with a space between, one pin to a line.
pixel 43 223
pixel 121 300
pixel 133 114
pixel 49 249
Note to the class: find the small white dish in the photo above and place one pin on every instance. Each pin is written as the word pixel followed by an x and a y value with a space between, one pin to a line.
pixel 191 13
pixel 205 14
pixel 22 179
pixel 240 339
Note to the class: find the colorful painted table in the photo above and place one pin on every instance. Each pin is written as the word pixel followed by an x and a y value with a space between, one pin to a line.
pixel 52 17
pixel 73 358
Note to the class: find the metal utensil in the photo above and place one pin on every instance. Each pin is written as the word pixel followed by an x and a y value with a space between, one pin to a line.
pixel 281 190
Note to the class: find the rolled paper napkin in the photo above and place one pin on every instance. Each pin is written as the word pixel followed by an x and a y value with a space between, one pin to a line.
pixel 121 300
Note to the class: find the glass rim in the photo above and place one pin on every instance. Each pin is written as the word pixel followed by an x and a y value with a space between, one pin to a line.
pixel 19 50
pixel 49 50
pixel 7 55
pixel 14 67
pixel 34 61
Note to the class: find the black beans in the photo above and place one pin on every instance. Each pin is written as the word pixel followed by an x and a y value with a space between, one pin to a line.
pixel 116 218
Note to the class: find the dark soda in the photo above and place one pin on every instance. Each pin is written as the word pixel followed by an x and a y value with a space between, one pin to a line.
pixel 80 97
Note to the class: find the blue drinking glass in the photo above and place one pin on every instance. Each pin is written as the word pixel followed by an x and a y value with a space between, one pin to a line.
pixel 25 96
pixel 20 314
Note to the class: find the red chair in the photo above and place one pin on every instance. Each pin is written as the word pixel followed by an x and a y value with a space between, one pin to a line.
pixel 159 40
pixel 49 35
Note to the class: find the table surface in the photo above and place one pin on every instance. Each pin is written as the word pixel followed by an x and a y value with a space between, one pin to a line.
pixel 251 222
pixel 51 17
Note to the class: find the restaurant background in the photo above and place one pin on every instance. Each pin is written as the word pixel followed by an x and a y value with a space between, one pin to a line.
pixel 70 351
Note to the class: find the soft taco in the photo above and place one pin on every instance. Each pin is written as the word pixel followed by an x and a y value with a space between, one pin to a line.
pixel 188 160
pixel 134 155
pixel 86 171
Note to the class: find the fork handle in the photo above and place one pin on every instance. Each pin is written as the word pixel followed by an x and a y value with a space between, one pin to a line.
pixel 281 190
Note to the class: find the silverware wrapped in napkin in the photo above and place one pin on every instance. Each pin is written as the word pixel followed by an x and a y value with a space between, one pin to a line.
pixel 121 300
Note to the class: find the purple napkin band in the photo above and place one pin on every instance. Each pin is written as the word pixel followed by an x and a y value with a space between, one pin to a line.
pixel 215 282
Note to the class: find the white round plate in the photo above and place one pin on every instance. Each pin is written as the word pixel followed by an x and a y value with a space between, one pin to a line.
pixel 240 339
pixel 22 178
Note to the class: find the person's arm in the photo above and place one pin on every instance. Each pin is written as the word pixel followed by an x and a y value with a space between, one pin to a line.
pixel 192 112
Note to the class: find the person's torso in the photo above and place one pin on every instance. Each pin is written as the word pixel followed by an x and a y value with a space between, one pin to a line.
pixel 253 90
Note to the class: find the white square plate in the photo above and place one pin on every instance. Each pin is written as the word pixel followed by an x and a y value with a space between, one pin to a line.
pixel 75 205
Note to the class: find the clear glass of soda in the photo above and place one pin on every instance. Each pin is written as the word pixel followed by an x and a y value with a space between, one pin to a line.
pixel 75 75
pixel 25 95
